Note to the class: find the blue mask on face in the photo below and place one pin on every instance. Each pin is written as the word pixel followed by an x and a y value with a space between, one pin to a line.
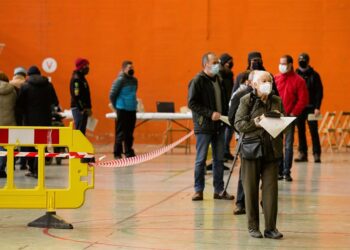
pixel 215 69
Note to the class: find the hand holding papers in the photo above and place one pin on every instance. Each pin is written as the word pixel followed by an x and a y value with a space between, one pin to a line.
pixel 313 117
pixel 225 119
pixel 274 126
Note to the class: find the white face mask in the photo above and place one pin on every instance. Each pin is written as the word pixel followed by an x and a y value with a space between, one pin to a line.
pixel 265 88
pixel 215 69
pixel 283 68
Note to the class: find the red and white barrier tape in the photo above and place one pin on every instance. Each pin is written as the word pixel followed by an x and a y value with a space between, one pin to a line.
pixel 125 162
pixel 69 155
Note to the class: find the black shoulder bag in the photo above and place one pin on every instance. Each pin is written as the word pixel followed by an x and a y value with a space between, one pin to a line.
pixel 251 148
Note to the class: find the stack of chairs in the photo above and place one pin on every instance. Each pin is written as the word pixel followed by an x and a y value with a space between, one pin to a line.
pixel 335 130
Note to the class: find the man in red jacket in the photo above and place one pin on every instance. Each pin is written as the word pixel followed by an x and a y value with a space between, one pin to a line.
pixel 293 91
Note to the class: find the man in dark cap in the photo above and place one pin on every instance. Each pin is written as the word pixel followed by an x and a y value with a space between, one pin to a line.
pixel 226 65
pixel 315 88
pixel 255 62
pixel 80 95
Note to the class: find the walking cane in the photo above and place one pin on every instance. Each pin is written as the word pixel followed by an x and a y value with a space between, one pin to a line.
pixel 236 152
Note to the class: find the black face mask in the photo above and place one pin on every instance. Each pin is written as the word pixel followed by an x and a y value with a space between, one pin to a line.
pixel 85 70
pixel 131 72
pixel 230 65
pixel 257 65
pixel 303 64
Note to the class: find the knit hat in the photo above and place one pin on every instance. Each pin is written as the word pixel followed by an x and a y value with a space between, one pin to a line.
pixel 33 70
pixel 224 58
pixel 20 71
pixel 81 63
pixel 304 57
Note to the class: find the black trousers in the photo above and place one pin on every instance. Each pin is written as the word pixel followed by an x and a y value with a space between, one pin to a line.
pixel 124 130
pixel 313 127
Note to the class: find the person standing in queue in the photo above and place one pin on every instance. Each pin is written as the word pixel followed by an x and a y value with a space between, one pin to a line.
pixel 207 100
pixel 262 166
pixel 123 99
pixel 80 95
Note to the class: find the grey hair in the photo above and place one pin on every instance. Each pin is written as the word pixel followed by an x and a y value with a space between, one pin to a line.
pixel 205 58
pixel 258 73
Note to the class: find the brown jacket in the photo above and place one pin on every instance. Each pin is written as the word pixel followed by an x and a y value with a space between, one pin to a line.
pixel 7 104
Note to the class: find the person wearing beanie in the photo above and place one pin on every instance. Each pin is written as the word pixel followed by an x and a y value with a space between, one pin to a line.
pixel 35 100
pixel 8 98
pixel 80 94
pixel 33 70
pixel 315 88
pixel 226 65
pixel 255 62
pixel 19 77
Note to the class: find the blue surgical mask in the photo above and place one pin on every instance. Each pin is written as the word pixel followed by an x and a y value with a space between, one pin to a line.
pixel 283 68
pixel 215 69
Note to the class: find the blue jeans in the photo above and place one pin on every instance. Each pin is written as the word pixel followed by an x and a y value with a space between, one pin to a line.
pixel 287 160
pixel 3 160
pixel 80 120
pixel 202 145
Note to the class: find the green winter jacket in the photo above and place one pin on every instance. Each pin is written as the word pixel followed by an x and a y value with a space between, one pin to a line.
pixel 251 107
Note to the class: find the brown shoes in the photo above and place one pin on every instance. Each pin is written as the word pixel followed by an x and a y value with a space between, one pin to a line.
pixel 198 196
pixel 223 196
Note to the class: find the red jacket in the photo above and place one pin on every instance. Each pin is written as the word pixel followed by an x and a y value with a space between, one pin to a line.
pixel 293 92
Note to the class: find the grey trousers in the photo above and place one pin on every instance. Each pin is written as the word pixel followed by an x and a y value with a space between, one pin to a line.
pixel 252 172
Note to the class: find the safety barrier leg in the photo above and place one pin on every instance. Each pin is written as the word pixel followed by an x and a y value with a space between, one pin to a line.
pixel 50 219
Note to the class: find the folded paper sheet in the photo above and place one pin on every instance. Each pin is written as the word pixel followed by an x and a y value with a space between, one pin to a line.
pixel 274 126
pixel 91 123
pixel 225 119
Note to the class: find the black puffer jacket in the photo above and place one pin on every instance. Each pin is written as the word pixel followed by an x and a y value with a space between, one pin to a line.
pixel 34 102
pixel 201 100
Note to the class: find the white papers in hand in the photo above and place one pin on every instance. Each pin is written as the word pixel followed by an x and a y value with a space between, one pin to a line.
pixel 225 119
pixel 91 123
pixel 274 126
pixel 313 117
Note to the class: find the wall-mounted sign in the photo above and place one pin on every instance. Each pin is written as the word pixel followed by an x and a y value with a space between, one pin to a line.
pixel 49 65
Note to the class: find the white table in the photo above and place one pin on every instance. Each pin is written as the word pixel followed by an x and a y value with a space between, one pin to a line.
pixel 147 116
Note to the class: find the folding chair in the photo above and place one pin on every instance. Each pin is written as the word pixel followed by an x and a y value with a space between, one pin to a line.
pixel 343 130
pixel 328 130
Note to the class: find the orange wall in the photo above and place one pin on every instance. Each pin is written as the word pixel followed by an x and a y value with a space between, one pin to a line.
pixel 166 38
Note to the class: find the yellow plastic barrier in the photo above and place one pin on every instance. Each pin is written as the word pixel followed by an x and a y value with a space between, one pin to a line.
pixel 41 197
